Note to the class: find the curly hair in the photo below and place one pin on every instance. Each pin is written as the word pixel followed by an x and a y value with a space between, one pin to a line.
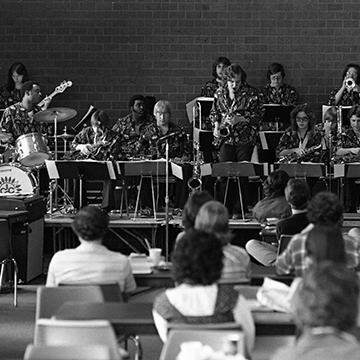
pixel 221 60
pixel 297 193
pixel 234 71
pixel 325 208
pixel 136 97
pixel 327 296
pixel 356 67
pixel 274 68
pixel 213 217
pixel 192 206
pixel 275 183
pixel 197 259
pixel 21 70
pixel 90 223
pixel 325 242
pixel 308 111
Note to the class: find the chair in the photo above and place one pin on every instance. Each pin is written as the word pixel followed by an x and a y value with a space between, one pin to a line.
pixel 208 334
pixel 111 292
pixel 65 352
pixel 69 332
pixel 6 258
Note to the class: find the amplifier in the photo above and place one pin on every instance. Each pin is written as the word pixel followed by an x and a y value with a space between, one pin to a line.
pixel 34 204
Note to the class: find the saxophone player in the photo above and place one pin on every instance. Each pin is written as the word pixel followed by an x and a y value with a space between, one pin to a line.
pixel 237 110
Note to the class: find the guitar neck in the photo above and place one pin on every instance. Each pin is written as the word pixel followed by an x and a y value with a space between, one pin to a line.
pixel 42 102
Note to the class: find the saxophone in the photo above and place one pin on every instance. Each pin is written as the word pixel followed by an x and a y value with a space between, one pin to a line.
pixel 195 182
pixel 294 157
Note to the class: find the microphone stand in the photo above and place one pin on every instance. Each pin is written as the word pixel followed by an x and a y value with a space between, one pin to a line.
pixel 167 202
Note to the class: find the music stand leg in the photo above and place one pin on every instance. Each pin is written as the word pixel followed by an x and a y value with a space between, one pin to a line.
pixel 138 198
pixel 226 190
pixel 241 198
pixel 153 196
pixel 80 193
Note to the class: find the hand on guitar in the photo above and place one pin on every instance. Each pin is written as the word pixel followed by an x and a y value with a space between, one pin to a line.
pixel 84 149
pixel 46 102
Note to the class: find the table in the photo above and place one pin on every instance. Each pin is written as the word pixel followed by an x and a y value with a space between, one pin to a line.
pixel 136 317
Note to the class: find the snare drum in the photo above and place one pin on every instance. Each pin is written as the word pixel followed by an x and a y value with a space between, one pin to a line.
pixel 17 180
pixel 31 149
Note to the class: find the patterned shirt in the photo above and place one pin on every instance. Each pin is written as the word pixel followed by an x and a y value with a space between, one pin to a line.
pixel 349 139
pixel 292 260
pixel 9 97
pixel 236 263
pixel 284 95
pixel 248 102
pixel 135 144
pixel 348 98
pixel 290 140
pixel 210 88
pixel 18 121
pixel 103 144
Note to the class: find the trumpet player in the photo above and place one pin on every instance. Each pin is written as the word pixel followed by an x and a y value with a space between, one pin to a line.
pixel 348 94
pixel 236 114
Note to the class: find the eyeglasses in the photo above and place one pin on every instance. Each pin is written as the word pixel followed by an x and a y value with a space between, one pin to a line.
pixel 302 119
pixel 275 77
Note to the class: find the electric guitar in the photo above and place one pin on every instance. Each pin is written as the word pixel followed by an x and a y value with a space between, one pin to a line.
pixel 59 89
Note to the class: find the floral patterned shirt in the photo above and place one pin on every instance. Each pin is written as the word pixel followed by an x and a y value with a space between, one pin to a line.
pixel 348 98
pixel 284 95
pixel 210 88
pixel 248 102
pixel 290 140
pixel 135 144
pixel 18 121
pixel 8 97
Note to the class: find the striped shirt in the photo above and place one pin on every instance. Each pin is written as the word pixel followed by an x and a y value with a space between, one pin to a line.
pixel 90 263
pixel 292 260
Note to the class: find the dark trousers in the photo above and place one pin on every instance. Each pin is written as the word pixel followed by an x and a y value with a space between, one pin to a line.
pixel 235 154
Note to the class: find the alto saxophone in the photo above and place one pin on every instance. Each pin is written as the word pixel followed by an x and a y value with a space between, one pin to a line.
pixel 294 157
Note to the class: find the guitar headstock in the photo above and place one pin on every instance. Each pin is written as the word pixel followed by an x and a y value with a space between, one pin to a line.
pixel 65 84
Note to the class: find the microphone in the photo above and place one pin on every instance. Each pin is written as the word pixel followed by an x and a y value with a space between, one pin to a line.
pixel 169 135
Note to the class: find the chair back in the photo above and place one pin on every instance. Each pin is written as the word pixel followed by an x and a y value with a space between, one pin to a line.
pixel 213 335
pixel 50 299
pixel 111 292
pixel 69 332
pixel 5 241
pixel 67 352
pixel 283 243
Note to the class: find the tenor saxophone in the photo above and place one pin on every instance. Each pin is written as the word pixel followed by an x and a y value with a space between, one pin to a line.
pixel 294 157
pixel 195 182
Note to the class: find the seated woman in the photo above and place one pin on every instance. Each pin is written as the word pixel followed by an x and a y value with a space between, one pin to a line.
pixel 301 141
pixel 348 150
pixel 213 218
pixel 347 95
pixel 211 86
pixel 191 208
pixel 326 309
pixel 277 92
pixel 197 297
pixel 274 205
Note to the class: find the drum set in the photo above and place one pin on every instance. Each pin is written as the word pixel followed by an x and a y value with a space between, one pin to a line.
pixel 21 164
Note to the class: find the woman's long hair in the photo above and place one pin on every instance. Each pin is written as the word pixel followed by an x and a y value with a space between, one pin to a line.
pixel 21 70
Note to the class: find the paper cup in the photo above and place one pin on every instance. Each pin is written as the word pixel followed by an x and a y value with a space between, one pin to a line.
pixel 154 255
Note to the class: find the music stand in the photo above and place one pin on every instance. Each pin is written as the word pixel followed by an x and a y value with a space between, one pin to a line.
pixel 235 170
pixel 80 170
pixel 294 170
pixel 144 169
pixel 277 114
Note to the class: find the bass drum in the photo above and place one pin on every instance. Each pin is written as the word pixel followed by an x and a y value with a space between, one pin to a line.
pixel 17 180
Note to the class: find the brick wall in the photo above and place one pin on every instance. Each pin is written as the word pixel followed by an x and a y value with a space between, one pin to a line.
pixel 114 49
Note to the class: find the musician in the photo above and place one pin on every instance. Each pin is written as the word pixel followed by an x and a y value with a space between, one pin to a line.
pixel 97 142
pixel 301 137
pixel 237 106
pixel 345 96
pixel 18 119
pixel 136 129
pixel 349 151
pixel 211 86
pixel 10 92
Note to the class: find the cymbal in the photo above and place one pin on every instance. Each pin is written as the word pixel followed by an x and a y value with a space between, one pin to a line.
pixel 4 136
pixel 64 136
pixel 61 114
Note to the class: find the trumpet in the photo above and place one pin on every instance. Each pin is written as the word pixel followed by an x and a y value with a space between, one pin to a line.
pixel 350 83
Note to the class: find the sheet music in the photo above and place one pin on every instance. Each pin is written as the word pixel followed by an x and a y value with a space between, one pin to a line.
pixel 52 169
pixel 111 170
pixel 177 171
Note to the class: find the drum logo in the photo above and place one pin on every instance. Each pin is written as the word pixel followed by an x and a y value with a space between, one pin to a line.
pixel 9 185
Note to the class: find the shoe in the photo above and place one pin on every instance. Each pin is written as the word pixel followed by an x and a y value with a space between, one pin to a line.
pixel 177 212
pixel 236 217
pixel 147 212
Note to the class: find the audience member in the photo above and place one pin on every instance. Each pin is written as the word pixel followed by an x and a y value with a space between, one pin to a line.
pixel 91 262
pixel 274 205
pixel 198 298
pixel 297 194
pixel 213 218
pixel 324 209
pixel 326 309
pixel 191 208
